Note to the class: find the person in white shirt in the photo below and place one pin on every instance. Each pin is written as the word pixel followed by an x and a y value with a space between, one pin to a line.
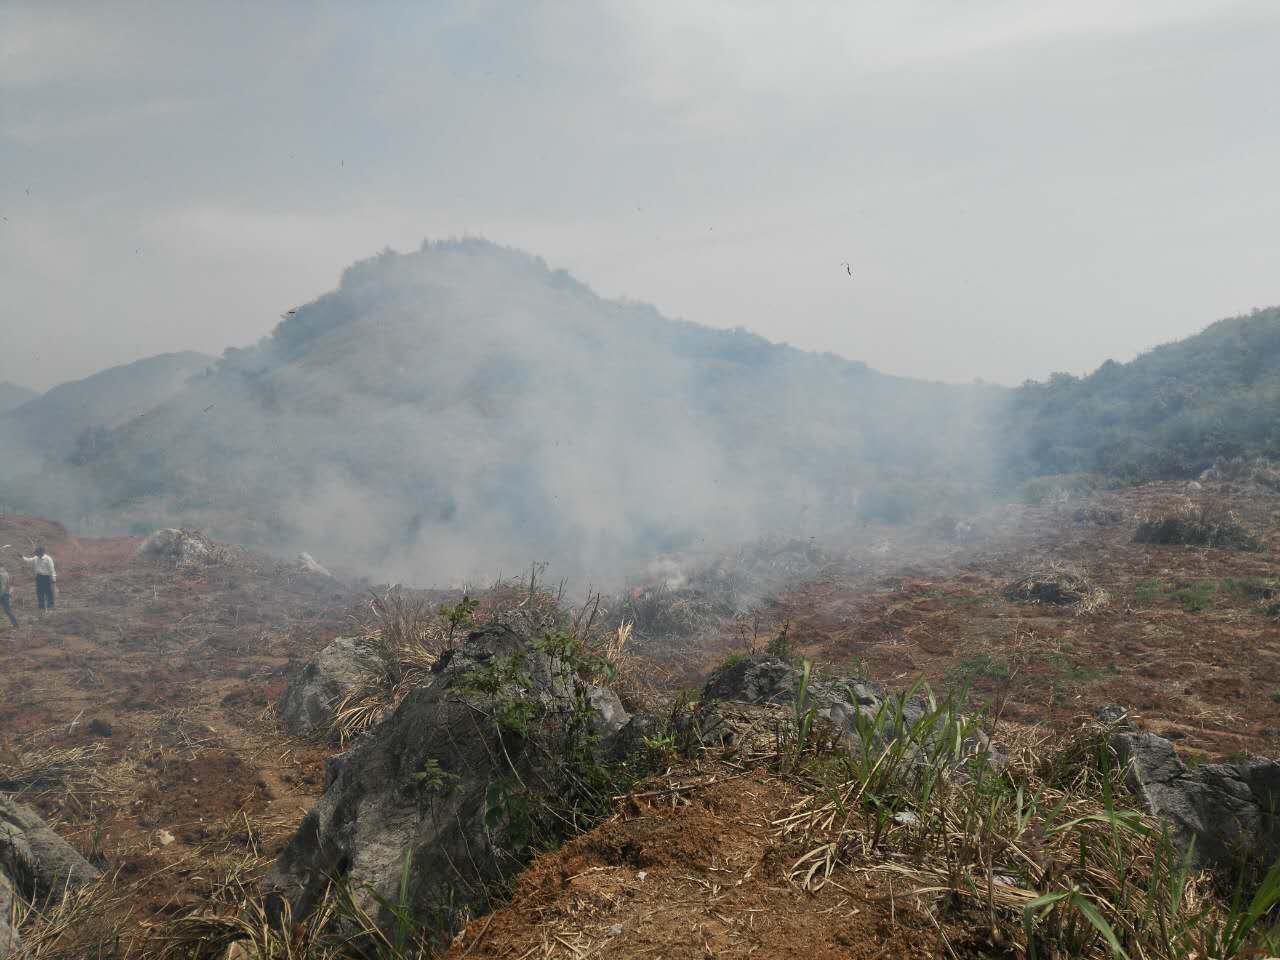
pixel 46 577
pixel 4 596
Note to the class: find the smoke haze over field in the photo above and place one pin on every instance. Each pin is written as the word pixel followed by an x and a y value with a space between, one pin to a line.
pixel 1017 188
pixel 464 410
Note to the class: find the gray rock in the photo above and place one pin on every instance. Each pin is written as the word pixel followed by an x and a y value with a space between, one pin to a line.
pixel 1224 813
pixel 608 714
pixel 425 784
pixel 10 942
pixel 37 863
pixel 308 564
pixel 628 739
pixel 750 698
pixel 179 547
pixel 767 680
pixel 307 706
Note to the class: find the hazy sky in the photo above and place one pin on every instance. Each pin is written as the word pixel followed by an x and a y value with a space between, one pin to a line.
pixel 1018 187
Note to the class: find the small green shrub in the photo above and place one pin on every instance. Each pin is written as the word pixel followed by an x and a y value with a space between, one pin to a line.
pixel 781 646
pixel 1250 588
pixel 1148 591
pixel 981 666
pixel 1197 596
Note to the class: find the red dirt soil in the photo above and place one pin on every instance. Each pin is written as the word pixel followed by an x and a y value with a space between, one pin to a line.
pixel 1188 637
pixel 167 674
pixel 179 667
pixel 694 877
pixel 707 876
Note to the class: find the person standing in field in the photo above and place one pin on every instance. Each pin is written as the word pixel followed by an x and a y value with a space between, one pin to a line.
pixel 5 599
pixel 46 577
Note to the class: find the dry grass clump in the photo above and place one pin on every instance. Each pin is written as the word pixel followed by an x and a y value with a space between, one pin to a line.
pixel 659 611
pixel 91 921
pixel 407 636
pixel 1098 516
pixel 1033 851
pixel 1207 522
pixel 238 925
pixel 1261 471
pixel 35 764
pixel 409 632
pixel 1060 584
pixel 28 768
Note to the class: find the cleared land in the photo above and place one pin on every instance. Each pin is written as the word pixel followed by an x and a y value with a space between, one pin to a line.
pixel 138 717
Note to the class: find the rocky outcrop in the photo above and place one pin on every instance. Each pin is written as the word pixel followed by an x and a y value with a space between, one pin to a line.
pixel 426 787
pixel 35 863
pixel 308 564
pixel 179 547
pixel 306 708
pixel 1226 813
pixel 764 680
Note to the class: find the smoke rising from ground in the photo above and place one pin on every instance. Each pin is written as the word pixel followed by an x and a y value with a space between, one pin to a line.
pixel 463 410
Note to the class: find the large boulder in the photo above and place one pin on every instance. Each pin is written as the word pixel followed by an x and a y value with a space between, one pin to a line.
pixel 181 548
pixel 1226 813
pixel 35 863
pixel 426 788
pixel 307 706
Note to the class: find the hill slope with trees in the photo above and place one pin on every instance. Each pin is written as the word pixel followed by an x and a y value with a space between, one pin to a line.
pixel 465 408
pixel 1170 413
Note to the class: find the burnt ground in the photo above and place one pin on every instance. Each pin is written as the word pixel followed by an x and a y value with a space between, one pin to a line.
pixel 163 678
pixel 1188 638
pixel 150 688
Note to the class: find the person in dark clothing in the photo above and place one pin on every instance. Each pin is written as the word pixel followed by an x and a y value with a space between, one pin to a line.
pixel 5 599
pixel 46 575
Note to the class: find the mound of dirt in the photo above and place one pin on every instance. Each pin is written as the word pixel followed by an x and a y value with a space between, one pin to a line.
pixel 695 875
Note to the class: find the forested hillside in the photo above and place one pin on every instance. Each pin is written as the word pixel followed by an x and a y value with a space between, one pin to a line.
pixel 1169 413
pixel 71 418
pixel 465 408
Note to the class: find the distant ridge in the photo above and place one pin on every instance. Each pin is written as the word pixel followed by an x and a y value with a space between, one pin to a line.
pixel 466 408
pixel 48 426
pixel 1169 413
pixel 12 395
